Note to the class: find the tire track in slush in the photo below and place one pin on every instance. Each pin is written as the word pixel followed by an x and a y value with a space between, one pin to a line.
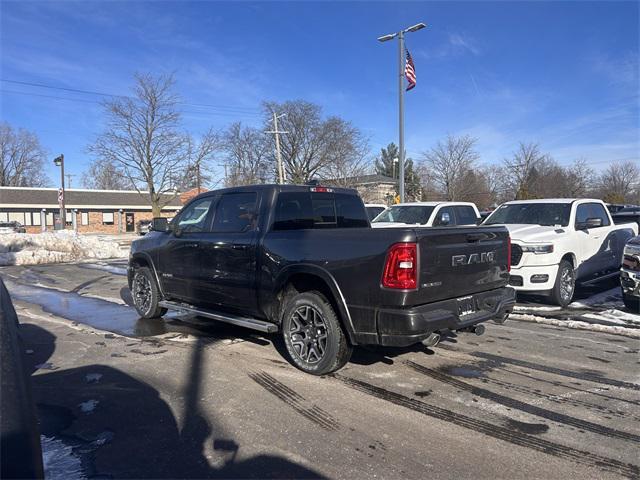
pixel 295 401
pixel 522 406
pixel 495 431
pixel 589 377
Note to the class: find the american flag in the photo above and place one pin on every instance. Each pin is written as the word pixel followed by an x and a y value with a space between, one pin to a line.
pixel 410 71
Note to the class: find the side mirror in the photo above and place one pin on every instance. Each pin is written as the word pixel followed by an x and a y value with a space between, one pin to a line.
pixel 160 224
pixel 590 223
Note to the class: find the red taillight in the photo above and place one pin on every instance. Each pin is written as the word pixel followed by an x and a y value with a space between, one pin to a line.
pixel 401 267
pixel 508 254
pixel 321 190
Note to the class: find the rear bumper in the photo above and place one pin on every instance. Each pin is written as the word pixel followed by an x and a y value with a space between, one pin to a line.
pixel 403 327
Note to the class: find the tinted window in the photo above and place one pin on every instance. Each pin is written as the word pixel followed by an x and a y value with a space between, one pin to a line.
pixel 299 210
pixel 373 212
pixel 415 214
pixel 444 218
pixel 465 215
pixel 194 217
pixel 532 214
pixel 236 212
pixel 591 210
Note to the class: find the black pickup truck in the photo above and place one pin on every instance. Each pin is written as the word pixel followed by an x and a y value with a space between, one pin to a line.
pixel 305 261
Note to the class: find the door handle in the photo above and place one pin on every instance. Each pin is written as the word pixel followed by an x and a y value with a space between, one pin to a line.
pixel 192 245
pixel 239 247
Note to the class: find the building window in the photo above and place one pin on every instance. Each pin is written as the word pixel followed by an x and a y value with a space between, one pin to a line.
pixel 17 217
pixel 85 218
pixel 27 219
pixel 69 217
pixel 107 218
pixel 50 219
pixel 4 217
pixel 36 218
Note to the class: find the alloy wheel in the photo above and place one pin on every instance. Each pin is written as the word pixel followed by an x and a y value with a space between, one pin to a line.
pixel 142 292
pixel 308 334
pixel 566 284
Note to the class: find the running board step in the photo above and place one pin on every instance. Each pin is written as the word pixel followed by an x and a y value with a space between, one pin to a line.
pixel 600 278
pixel 252 323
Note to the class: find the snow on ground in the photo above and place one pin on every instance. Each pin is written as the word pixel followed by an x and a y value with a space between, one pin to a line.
pixel 107 268
pixel 60 461
pixel 580 325
pixel 55 247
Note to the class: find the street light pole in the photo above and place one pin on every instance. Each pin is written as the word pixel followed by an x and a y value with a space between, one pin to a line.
pixel 401 112
pixel 59 161
pixel 400 36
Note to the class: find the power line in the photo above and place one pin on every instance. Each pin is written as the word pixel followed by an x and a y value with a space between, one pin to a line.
pixel 231 108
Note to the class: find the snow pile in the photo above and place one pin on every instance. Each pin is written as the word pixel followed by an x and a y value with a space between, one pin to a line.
pixel 55 247
pixel 60 462
pixel 580 325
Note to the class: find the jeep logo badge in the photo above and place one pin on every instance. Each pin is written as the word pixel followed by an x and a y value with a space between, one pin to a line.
pixel 484 257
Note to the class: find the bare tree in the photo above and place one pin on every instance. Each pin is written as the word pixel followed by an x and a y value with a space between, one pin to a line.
pixel 346 151
pixel 143 139
pixel 521 169
pixel 620 183
pixel 449 162
pixel 199 157
pixel 22 158
pixel 247 156
pixel 104 174
pixel 309 147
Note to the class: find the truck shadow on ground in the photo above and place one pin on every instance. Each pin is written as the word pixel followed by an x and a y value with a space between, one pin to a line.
pixel 120 427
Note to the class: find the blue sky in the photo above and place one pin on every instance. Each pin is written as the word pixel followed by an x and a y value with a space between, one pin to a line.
pixel 564 74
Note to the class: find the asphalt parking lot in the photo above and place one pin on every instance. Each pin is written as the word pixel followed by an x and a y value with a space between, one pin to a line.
pixel 184 397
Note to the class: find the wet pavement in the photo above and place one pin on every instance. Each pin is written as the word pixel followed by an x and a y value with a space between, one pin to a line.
pixel 195 398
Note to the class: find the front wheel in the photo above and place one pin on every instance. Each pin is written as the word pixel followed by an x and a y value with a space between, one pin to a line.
pixel 146 294
pixel 565 285
pixel 315 340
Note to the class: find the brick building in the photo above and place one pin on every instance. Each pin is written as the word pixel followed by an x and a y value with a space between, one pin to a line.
pixel 372 188
pixel 88 211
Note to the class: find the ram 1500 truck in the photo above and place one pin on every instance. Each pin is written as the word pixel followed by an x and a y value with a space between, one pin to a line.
pixel 428 214
pixel 305 261
pixel 558 242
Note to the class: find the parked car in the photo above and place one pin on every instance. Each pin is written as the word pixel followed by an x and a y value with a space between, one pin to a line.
pixel 143 226
pixel 304 260
pixel 630 275
pixel 12 227
pixel 558 242
pixel 428 214
pixel 374 209
pixel 627 215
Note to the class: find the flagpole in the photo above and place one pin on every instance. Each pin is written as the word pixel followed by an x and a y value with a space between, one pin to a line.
pixel 400 36
pixel 401 113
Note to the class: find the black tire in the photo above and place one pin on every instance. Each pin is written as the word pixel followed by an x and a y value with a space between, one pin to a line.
pixel 145 294
pixel 632 303
pixel 319 350
pixel 565 284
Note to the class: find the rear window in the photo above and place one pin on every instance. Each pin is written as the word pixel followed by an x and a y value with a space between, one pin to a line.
pixel 302 210
pixel 466 215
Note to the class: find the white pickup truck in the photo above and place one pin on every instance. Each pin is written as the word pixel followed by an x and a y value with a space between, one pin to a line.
pixel 428 214
pixel 556 243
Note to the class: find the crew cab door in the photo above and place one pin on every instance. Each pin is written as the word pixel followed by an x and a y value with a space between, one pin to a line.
pixel 597 244
pixel 227 257
pixel 179 257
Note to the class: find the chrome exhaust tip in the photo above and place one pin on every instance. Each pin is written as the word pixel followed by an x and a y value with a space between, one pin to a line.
pixel 432 340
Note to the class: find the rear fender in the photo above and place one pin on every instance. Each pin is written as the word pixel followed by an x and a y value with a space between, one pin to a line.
pixel 338 299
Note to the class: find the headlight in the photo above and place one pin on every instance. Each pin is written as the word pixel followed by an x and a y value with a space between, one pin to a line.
pixel 537 249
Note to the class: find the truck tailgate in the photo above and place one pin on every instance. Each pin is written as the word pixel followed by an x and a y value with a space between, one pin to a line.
pixel 455 262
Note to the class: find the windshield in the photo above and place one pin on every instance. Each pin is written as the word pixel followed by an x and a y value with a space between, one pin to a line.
pixel 532 214
pixel 405 214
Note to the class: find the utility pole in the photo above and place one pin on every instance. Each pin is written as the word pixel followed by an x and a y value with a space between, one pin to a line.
pixel 277 133
pixel 69 176
pixel 198 181
pixel 401 65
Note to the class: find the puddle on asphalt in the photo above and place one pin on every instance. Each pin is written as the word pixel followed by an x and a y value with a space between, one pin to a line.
pixel 108 316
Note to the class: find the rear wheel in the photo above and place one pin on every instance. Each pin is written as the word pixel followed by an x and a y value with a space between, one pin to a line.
pixel 313 336
pixel 565 285
pixel 146 294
